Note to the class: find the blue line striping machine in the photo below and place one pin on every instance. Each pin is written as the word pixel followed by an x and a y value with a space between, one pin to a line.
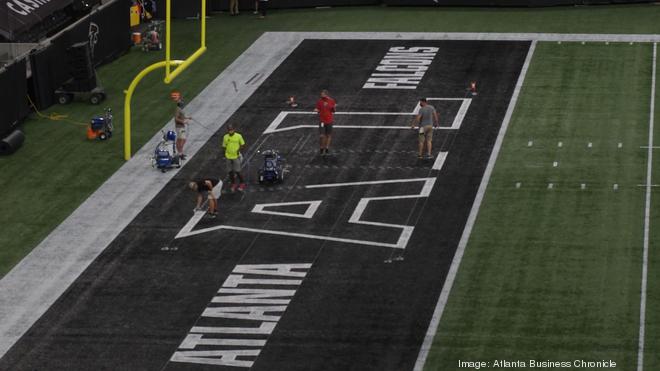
pixel 165 156
pixel 272 170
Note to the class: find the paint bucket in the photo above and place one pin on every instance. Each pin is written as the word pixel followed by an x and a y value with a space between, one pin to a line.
pixel 137 38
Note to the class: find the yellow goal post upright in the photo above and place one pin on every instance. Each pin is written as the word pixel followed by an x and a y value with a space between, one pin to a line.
pixel 170 72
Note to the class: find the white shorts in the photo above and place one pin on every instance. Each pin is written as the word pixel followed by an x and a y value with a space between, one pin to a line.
pixel 181 132
pixel 216 192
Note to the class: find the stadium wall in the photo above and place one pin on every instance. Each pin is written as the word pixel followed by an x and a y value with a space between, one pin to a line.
pixel 185 8
pixel 108 32
pixel 517 3
pixel 13 91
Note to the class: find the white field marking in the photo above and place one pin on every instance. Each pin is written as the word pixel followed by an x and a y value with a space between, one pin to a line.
pixel 368 182
pixel 550 185
pixel 647 218
pixel 30 288
pixel 460 250
pixel 647 185
pixel 273 127
pixel 35 283
pixel 439 160
pixel 651 147
pixel 472 36
pixel 309 213
pixel 555 164
pixel 560 144
pixel 530 143
pixel 402 242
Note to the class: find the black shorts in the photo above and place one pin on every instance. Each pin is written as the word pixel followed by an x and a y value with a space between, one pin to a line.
pixel 325 129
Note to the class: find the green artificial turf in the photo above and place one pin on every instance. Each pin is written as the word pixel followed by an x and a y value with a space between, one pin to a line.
pixel 554 274
pixel 57 168
pixel 547 274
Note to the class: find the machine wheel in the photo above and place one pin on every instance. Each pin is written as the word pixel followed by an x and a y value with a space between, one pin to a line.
pixel 103 136
pixel 163 170
pixel 64 98
pixel 95 98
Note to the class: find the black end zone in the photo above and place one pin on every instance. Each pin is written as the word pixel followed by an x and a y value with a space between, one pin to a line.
pixel 135 305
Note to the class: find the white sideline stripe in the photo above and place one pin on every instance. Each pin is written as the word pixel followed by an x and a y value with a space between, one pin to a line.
pixel 647 218
pixel 402 242
pixel 460 250
pixel 472 36
pixel 439 161
pixel 37 281
pixel 309 213
pixel 273 127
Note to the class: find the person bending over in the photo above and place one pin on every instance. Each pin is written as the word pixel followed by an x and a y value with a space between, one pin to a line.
pixel 210 189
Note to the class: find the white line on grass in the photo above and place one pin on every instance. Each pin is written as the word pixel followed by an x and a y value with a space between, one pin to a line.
pixel 647 217
pixel 492 36
pixel 460 250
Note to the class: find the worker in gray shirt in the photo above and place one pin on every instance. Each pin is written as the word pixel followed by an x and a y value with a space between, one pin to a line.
pixel 426 119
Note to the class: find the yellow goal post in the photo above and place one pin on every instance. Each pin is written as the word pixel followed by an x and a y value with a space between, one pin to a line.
pixel 170 72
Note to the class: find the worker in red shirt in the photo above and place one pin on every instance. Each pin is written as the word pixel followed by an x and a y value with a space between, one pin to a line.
pixel 325 107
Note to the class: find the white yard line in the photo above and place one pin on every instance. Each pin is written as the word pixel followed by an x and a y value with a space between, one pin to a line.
pixel 440 160
pixel 647 218
pixel 456 262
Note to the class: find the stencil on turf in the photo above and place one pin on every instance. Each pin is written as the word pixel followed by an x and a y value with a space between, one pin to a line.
pixel 291 120
pixel 392 235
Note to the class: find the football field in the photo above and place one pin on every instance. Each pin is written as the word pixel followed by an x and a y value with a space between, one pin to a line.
pixel 554 265
pixel 528 238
